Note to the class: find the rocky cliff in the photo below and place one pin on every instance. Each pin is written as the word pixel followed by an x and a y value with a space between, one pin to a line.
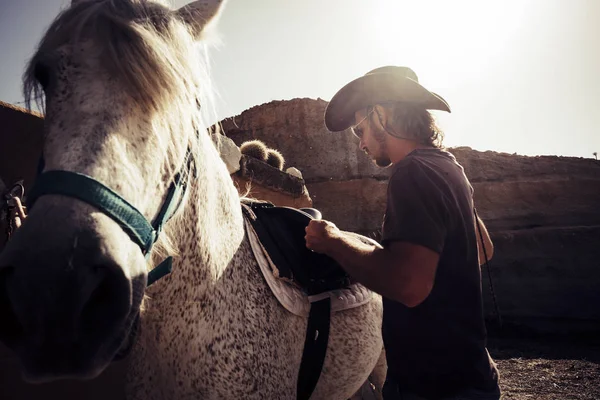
pixel 542 211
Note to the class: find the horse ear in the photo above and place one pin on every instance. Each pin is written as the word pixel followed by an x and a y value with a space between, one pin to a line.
pixel 198 14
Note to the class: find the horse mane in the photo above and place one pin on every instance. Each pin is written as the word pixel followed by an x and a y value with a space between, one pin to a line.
pixel 143 44
pixel 152 54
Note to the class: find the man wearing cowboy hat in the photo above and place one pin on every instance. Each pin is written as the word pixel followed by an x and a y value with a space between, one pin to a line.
pixel 428 267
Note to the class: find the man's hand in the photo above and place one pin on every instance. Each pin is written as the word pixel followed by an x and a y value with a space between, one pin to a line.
pixel 321 235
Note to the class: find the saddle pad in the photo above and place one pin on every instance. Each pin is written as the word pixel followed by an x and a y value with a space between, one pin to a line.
pixel 291 297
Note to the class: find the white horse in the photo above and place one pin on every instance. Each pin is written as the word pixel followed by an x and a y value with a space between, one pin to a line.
pixel 122 81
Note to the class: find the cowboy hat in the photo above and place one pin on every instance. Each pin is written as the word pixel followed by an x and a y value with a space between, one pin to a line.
pixel 388 84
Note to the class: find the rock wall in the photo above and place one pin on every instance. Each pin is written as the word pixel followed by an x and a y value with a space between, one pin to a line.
pixel 542 212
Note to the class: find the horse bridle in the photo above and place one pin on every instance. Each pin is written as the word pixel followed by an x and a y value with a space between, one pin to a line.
pixel 133 222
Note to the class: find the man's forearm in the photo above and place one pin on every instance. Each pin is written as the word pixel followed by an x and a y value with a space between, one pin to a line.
pixel 368 264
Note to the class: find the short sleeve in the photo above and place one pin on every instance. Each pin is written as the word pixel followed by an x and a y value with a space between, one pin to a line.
pixel 416 210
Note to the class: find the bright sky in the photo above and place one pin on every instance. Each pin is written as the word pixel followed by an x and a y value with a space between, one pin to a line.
pixel 520 75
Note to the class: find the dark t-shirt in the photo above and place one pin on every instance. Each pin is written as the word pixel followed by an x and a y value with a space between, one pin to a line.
pixel 438 347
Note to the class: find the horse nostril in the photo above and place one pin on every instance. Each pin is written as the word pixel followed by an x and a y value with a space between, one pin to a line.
pixel 11 329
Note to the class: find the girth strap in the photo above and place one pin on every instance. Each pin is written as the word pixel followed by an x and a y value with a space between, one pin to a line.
pixel 319 317
pixel 315 348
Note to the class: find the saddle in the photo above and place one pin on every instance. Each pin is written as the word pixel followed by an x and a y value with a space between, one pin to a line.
pixel 281 231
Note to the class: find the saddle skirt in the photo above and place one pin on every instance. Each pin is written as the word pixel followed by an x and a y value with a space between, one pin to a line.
pixel 292 296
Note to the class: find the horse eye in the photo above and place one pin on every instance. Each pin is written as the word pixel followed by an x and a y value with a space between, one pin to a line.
pixel 41 72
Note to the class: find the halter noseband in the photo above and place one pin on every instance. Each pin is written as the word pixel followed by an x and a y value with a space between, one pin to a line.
pixel 133 222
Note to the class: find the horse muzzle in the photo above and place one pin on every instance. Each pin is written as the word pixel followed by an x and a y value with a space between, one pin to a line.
pixel 66 303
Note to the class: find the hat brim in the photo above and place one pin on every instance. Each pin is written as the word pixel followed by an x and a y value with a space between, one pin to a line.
pixel 375 89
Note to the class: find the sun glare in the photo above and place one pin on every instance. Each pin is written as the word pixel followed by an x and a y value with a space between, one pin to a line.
pixel 455 47
pixel 446 42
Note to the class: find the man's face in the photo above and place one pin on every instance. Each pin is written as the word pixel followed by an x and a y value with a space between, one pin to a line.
pixel 372 140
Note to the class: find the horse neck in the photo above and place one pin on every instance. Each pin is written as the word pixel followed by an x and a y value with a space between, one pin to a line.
pixel 208 233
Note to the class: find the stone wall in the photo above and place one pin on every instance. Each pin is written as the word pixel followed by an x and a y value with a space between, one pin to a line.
pixel 542 212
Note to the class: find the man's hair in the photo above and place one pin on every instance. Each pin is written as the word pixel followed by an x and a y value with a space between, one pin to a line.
pixel 410 121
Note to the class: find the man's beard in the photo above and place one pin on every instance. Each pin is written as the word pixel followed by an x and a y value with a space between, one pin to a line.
pixel 380 161
pixel 383 161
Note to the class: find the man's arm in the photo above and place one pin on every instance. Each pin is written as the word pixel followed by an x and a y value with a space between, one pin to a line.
pixel 402 271
pixel 487 242
pixel 413 237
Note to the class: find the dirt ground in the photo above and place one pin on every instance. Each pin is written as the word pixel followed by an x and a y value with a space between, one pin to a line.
pixel 547 369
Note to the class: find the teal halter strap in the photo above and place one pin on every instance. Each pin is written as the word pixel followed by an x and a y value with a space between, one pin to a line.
pixel 94 193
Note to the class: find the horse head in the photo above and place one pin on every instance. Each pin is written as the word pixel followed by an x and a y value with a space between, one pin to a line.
pixel 122 81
